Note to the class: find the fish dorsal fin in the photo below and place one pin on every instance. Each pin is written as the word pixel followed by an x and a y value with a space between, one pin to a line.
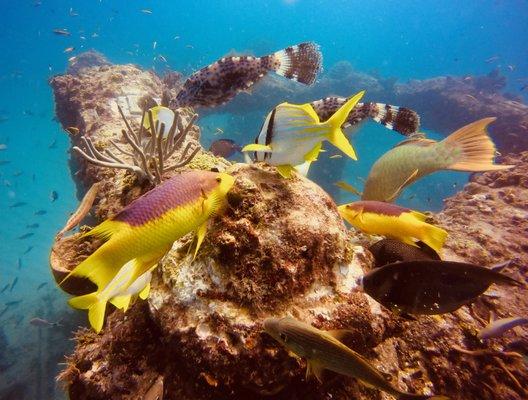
pixel 257 147
pixel 285 170
pixel 340 334
pixel 200 234
pixel 313 368
pixel 417 214
pixel 397 192
pixel 301 113
pixel 418 141
pixel 105 230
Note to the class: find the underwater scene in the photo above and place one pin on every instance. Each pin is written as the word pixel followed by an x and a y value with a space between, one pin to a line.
pixel 282 199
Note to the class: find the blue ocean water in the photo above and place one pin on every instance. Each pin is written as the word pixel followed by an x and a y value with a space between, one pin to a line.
pixel 407 40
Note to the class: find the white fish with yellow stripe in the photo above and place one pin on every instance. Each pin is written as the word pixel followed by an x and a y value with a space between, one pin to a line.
pixel 292 135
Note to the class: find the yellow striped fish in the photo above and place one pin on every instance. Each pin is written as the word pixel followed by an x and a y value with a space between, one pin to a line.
pixel 140 235
pixel 292 135
pixel 323 350
pixel 403 224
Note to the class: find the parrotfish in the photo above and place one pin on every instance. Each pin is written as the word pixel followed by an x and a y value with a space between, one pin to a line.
pixel 292 136
pixel 224 79
pixel 324 350
pixel 500 326
pixel 429 286
pixel 404 224
pixel 468 149
pixel 399 119
pixel 388 251
pixel 224 148
pixel 82 210
pixel 141 234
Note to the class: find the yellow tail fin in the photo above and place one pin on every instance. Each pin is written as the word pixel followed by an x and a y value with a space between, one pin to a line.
pixel 96 309
pixel 434 237
pixel 336 135
pixel 473 148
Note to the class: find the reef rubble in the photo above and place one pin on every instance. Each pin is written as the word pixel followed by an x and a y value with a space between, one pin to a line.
pixel 279 249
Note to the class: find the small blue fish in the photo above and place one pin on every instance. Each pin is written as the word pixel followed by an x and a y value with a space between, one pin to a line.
pixel 5 288
pixel 18 204
pixel 13 303
pixel 32 226
pixel 13 284
pixel 42 285
pixel 4 162
pixel 26 235
pixel 54 196
pixel 4 311
pixel 28 250
pixel 19 263
pixel 40 212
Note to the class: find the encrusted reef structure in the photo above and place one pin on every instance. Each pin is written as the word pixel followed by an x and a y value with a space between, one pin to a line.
pixel 279 249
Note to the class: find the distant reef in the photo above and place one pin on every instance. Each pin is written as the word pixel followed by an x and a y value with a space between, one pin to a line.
pixel 281 248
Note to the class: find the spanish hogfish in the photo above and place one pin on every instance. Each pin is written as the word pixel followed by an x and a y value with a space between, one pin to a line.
pixel 224 79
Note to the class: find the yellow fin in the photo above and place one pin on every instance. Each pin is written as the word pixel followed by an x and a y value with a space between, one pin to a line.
pixel 200 234
pixel 312 154
pixel 315 369
pixel 143 295
pixel 435 237
pixel 336 135
pixel 308 109
pixel 121 302
pixel 97 267
pixel 285 170
pixel 105 229
pixel 257 147
pixel 417 214
pixel 406 182
pixel 96 309
pixel 348 187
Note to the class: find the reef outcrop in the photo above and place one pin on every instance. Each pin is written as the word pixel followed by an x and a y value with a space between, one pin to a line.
pixel 279 249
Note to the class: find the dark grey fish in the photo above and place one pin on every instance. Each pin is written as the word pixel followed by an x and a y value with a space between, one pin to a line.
pixel 500 326
pixel 13 284
pixel 54 196
pixel 13 303
pixel 388 251
pixel 40 212
pixel 18 204
pixel 32 226
pixel 224 79
pixel 399 119
pixel 61 32
pixel 42 322
pixel 26 235
pixel 4 162
pixel 53 144
pixel 42 285
pixel 19 263
pixel 5 288
pixel 430 286
pixel 28 250
pixel 4 311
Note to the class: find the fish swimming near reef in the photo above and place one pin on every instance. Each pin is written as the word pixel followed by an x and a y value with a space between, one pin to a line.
pixel 292 136
pixel 500 326
pixel 388 251
pixel 468 149
pixel 399 119
pixel 25 236
pixel 42 285
pixel 13 284
pixel 145 230
pixel 54 196
pixel 393 221
pixel 40 322
pixel 82 210
pixel 224 148
pixel 40 212
pixel 61 32
pixel 224 79
pixel 430 286
pixel 5 288
pixel 324 350
pixel 18 204
pixel 32 226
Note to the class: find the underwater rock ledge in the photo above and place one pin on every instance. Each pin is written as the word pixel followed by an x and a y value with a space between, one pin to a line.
pixel 280 248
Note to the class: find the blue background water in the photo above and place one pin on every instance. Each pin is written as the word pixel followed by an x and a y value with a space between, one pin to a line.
pixel 410 39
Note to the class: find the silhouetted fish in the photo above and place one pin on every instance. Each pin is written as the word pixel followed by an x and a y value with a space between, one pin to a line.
pixel 54 196
pixel 42 285
pixel 4 311
pixel 4 162
pixel 388 251
pixel 32 226
pixel 61 32
pixel 42 322
pixel 28 250
pixel 429 286
pixel 5 288
pixel 18 204
pixel 19 262
pixel 13 303
pixel 13 284
pixel 26 235
pixel 224 148
pixel 225 78
pixel 40 212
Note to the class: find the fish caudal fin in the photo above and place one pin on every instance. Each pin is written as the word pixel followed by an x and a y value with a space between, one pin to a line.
pixel 473 149
pixel 399 119
pixel 96 309
pixel 300 63
pixel 97 267
pixel 336 135
pixel 434 237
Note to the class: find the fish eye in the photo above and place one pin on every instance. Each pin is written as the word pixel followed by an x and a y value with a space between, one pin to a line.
pixel 219 179
pixel 283 336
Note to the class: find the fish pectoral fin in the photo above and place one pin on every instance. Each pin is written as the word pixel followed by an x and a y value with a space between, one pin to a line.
pixel 200 235
pixel 406 182
pixel 303 168
pixel 312 154
pixel 340 334
pixel 257 147
pixel 285 170
pixel 313 368
pixel 121 302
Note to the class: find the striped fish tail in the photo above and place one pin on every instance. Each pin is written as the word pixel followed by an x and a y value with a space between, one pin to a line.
pixel 300 63
pixel 400 119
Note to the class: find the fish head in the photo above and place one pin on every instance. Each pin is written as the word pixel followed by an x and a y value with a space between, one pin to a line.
pixel 285 331
pixel 224 183
pixel 350 212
